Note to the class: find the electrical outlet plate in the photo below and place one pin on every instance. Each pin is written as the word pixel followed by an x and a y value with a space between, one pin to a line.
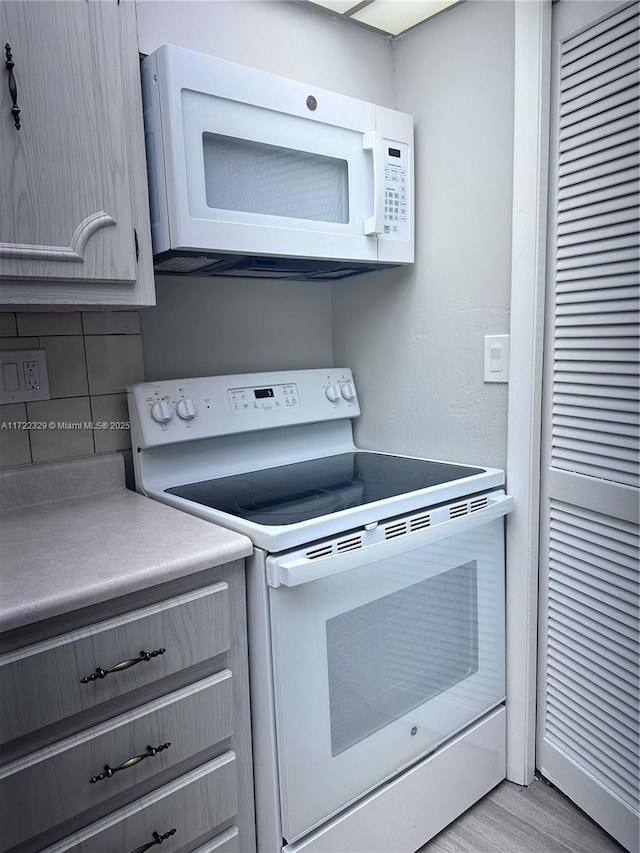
pixel 23 376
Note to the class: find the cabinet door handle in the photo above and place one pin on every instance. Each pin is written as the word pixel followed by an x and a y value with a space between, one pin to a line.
pixel 157 839
pixel 108 772
pixel 13 88
pixel 125 664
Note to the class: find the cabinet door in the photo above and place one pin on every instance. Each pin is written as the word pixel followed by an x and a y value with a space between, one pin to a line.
pixel 65 203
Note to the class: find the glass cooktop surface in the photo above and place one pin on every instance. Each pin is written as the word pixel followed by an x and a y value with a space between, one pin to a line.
pixel 300 491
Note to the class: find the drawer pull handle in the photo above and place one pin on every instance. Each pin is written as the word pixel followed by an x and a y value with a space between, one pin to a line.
pixel 125 664
pixel 157 839
pixel 13 88
pixel 108 772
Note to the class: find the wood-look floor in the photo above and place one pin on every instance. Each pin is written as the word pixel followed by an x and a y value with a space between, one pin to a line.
pixel 513 819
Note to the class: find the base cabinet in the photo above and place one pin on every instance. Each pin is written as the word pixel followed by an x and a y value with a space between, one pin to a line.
pixel 105 750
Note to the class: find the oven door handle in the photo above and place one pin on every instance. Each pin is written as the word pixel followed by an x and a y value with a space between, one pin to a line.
pixel 294 571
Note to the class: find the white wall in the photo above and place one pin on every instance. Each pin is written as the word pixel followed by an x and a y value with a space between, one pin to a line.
pixel 282 37
pixel 413 336
pixel 415 339
pixel 215 326
pixel 209 327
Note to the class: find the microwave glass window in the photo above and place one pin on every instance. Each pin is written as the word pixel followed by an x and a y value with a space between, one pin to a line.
pixel 391 655
pixel 254 177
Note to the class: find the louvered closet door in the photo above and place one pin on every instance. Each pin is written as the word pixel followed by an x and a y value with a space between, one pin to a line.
pixel 588 691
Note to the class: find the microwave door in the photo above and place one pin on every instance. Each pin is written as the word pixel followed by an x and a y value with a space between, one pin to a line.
pixel 264 181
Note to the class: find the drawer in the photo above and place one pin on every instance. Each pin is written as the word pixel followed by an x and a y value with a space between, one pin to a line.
pixel 192 805
pixel 54 784
pixel 49 681
pixel 226 842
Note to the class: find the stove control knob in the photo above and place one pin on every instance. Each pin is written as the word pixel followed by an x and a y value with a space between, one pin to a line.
pixel 186 409
pixel 332 393
pixel 348 390
pixel 162 411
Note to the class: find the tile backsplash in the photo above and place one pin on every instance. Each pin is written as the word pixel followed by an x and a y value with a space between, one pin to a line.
pixel 91 358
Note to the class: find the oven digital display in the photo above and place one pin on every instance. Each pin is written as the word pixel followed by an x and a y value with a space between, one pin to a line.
pixel 249 401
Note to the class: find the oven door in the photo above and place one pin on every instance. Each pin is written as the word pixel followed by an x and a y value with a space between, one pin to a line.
pixel 385 654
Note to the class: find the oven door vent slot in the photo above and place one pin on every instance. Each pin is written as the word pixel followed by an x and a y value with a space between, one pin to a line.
pixel 479 503
pixel 459 510
pixel 473 505
pixel 351 544
pixel 322 551
pixel 397 529
pixel 419 522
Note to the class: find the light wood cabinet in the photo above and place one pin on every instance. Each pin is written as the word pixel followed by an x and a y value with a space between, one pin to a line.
pixel 74 220
pixel 146 746
pixel 174 815
pixel 175 634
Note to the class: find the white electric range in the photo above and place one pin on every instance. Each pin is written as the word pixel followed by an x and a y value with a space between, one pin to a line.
pixel 375 604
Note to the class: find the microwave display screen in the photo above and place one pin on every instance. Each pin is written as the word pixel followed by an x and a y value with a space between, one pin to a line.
pixel 394 152
pixel 255 177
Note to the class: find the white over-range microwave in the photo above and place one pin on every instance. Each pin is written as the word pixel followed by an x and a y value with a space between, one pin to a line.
pixel 251 174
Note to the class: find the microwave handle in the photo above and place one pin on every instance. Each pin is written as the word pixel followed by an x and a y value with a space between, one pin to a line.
pixel 300 570
pixel 372 141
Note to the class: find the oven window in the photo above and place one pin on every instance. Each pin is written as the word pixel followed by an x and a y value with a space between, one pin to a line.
pixel 258 178
pixel 392 655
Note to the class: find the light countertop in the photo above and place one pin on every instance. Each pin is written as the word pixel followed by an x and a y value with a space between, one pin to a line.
pixel 64 554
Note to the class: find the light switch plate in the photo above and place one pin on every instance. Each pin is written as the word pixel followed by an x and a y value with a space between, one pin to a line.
pixel 23 376
pixel 496 358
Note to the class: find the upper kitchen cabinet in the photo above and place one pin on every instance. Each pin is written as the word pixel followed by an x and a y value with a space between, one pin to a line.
pixel 74 214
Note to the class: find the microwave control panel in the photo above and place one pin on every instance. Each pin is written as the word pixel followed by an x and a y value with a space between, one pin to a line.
pixel 396 190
